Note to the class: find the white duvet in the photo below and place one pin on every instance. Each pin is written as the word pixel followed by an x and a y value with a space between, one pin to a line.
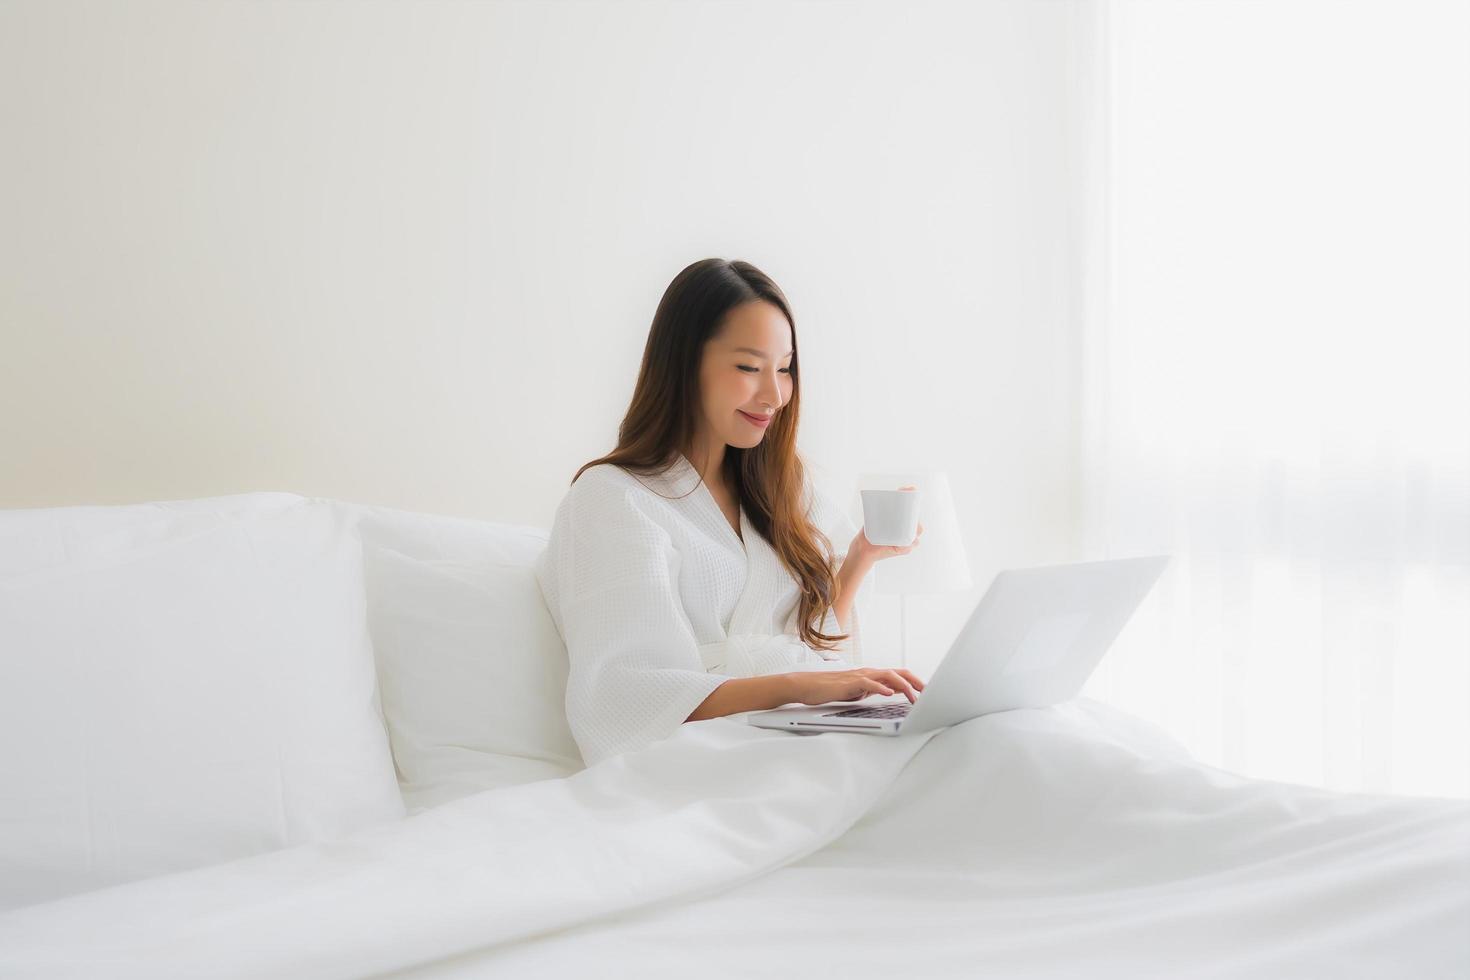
pixel 1073 841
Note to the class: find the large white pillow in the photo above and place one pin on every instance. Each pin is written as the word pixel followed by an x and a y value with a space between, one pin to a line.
pixel 472 669
pixel 473 675
pixel 435 537
pixel 181 683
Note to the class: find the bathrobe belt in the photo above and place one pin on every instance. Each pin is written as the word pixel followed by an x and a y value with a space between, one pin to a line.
pixel 753 654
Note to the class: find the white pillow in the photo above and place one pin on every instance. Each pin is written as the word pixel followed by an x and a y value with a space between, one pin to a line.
pixel 473 675
pixel 437 536
pixel 181 683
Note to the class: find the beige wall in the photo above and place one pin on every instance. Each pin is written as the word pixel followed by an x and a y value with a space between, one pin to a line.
pixel 407 253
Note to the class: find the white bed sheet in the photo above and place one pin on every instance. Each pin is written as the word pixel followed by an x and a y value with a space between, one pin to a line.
pixel 1041 843
pixel 1080 842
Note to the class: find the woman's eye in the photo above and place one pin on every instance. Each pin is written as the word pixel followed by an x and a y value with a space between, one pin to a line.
pixel 746 367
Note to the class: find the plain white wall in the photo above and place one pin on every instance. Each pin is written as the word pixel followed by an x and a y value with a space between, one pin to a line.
pixel 408 253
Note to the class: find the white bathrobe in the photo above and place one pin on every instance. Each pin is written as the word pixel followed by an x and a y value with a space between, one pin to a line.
pixel 659 602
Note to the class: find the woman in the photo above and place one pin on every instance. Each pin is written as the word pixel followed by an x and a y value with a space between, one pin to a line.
pixel 686 570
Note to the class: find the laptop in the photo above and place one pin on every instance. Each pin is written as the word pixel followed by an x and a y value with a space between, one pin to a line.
pixel 1032 641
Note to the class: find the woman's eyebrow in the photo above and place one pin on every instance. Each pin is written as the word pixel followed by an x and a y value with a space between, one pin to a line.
pixel 759 353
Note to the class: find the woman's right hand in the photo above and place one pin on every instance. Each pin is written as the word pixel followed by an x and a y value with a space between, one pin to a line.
pixel 821 686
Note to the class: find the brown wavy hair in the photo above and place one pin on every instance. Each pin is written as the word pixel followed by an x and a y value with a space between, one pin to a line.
pixel 769 478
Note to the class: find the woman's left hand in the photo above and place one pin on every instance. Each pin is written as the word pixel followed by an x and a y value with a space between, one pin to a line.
pixel 876 552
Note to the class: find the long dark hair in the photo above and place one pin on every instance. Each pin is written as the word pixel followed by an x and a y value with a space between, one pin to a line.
pixel 769 478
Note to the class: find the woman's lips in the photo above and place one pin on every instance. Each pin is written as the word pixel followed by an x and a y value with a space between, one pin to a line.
pixel 756 419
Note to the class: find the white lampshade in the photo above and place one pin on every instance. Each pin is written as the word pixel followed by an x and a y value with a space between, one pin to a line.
pixel 938 563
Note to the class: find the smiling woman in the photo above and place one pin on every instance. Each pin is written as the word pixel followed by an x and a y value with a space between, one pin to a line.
pixel 719 386
pixel 689 571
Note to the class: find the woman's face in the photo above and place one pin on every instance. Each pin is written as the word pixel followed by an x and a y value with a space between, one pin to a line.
pixel 735 381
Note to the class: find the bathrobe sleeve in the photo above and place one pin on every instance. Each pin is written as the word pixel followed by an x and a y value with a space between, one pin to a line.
pixel 609 579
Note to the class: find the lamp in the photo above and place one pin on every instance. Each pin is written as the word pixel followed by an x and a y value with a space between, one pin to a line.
pixel 938 563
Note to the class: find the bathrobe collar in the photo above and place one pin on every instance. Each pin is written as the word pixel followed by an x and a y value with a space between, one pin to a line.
pixel 683 480
pixel 766 578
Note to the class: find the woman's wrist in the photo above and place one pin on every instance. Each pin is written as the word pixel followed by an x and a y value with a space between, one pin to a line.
pixel 783 688
pixel 859 554
pixel 741 694
pixel 856 564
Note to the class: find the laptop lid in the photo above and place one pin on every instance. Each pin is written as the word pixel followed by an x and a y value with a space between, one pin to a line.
pixel 1034 638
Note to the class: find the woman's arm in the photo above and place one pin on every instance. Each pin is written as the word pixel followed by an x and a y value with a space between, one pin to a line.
pixel 745 694
pixel 858 561
pixel 855 566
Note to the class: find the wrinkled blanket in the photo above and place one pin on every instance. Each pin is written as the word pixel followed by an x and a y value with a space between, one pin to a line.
pixel 1028 843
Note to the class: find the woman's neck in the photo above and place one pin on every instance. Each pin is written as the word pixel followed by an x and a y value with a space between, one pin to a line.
pixel 712 467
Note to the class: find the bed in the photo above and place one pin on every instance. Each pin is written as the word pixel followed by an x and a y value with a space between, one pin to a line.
pixel 1069 841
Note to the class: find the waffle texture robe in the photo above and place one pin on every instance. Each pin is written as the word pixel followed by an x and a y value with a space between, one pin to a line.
pixel 659 602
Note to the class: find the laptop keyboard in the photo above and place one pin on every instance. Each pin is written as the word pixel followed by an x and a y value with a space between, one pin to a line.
pixel 880 711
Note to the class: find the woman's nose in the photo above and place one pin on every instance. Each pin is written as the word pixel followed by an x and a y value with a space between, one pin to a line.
pixel 771 393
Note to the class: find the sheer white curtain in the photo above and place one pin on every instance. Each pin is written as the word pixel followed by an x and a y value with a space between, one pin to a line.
pixel 1277 379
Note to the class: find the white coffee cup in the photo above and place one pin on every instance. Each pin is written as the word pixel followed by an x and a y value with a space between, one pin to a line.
pixel 891 516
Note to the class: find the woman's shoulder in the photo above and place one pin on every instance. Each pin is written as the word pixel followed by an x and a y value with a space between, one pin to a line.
pixel 599 474
pixel 602 477
pixel 607 503
pixel 610 486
